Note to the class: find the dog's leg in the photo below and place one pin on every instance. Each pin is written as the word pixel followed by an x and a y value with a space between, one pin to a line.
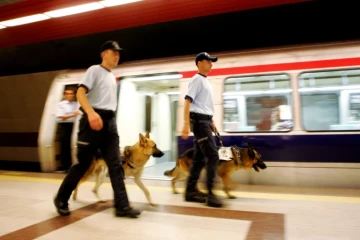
pixel 75 192
pixel 100 176
pixel 173 182
pixel 140 184
pixel 179 177
pixel 226 181
pixel 74 196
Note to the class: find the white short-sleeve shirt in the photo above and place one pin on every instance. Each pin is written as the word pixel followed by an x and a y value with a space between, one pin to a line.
pixel 201 93
pixel 101 86
pixel 65 107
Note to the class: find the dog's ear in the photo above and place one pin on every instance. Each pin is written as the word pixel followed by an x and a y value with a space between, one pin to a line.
pixel 147 135
pixel 250 147
pixel 142 139
pixel 251 152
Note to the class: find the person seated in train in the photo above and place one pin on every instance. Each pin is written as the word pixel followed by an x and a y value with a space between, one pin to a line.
pixel 277 124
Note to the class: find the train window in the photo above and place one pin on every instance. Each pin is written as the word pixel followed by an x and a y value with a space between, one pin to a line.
pixel 257 103
pixel 330 100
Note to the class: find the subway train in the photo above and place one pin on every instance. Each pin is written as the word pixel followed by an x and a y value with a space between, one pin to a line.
pixel 299 106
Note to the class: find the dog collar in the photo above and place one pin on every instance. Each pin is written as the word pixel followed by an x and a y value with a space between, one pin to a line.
pixel 127 156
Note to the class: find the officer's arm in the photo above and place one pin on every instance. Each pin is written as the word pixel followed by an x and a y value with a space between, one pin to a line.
pixel 187 111
pixel 81 96
pixel 213 125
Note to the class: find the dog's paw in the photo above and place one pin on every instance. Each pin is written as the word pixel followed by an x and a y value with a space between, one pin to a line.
pixel 152 203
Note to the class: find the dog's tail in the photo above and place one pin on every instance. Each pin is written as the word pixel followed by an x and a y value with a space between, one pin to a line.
pixel 175 171
pixel 172 172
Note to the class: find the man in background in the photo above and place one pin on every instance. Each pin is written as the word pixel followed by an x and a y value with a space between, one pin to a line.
pixel 65 113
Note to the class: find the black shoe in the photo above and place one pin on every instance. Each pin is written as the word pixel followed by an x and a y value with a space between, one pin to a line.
pixel 201 193
pixel 195 196
pixel 62 170
pixel 127 212
pixel 213 201
pixel 62 208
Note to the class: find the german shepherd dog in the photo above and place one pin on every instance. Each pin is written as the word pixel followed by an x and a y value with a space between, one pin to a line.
pixel 134 159
pixel 243 158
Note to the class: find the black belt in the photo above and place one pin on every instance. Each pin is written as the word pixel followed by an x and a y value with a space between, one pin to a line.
pixel 104 114
pixel 199 116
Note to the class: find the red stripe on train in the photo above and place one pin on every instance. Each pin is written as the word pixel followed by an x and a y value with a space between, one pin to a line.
pixel 279 67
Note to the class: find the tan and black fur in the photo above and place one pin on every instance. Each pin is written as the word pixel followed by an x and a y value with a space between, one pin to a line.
pixel 249 158
pixel 134 159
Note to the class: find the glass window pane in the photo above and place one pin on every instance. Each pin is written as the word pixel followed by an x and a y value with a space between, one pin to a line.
pixel 329 100
pixel 257 103
pixel 320 111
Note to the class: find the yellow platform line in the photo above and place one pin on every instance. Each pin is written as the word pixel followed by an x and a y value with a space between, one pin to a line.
pixel 238 194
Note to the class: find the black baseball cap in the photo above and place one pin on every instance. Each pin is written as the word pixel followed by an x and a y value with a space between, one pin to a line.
pixel 111 45
pixel 204 55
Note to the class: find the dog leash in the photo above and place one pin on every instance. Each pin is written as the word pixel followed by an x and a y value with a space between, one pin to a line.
pixel 219 137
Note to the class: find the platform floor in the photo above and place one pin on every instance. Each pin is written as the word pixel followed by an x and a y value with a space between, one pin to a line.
pixel 259 212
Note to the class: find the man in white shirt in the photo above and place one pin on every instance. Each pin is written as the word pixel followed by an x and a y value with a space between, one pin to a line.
pixel 198 115
pixel 98 131
pixel 65 114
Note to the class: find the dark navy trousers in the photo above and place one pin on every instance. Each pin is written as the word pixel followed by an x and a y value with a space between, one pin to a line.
pixel 89 141
pixel 205 153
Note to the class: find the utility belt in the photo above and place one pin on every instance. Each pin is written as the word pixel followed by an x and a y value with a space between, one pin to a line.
pixel 104 114
pixel 66 123
pixel 200 117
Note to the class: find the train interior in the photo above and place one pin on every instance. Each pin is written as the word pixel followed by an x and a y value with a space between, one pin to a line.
pixel 148 103
pixel 329 101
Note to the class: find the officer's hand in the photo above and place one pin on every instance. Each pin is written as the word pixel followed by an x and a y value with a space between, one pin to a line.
pixel 95 121
pixel 213 127
pixel 185 131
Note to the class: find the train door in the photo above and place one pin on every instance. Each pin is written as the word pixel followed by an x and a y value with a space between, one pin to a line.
pixel 56 143
pixel 149 104
pixel 49 138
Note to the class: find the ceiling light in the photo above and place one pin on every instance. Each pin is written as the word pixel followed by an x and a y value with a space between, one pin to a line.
pixel 173 93
pixel 74 10
pixel 260 92
pixel 332 88
pixel 155 78
pixel 147 93
pixel 1 27
pixel 24 20
pixel 109 3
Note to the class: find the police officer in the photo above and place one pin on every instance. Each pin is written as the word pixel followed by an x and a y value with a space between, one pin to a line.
pixel 98 130
pixel 198 115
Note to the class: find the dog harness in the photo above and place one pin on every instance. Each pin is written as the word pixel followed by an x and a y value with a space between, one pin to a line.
pixel 127 156
pixel 230 153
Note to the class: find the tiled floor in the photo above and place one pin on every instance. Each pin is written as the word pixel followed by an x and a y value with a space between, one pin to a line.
pixel 157 171
pixel 259 212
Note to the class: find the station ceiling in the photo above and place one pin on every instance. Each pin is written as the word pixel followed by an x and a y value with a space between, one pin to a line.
pixel 161 28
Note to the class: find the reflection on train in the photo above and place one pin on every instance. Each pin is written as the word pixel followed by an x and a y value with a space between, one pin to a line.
pixel 298 106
